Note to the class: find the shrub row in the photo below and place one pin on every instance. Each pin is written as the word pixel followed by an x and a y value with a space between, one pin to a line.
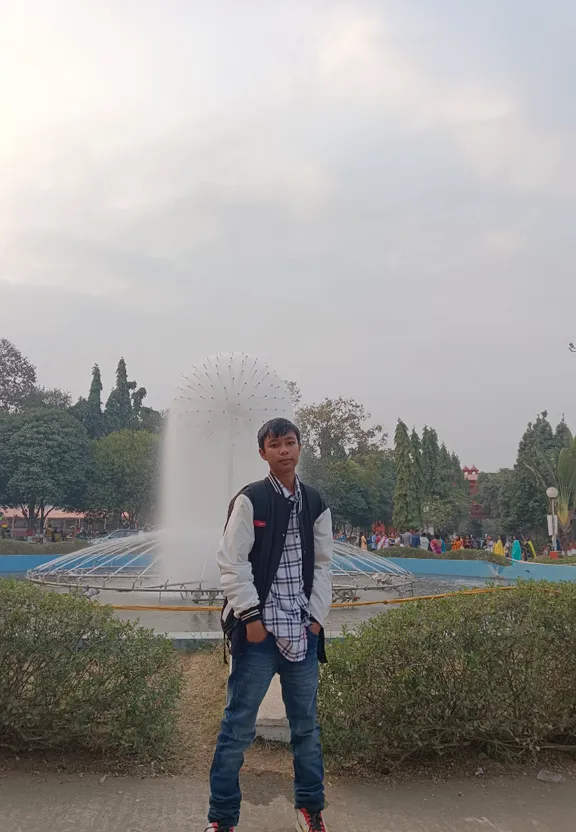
pixel 457 554
pixel 495 672
pixel 22 547
pixel 73 675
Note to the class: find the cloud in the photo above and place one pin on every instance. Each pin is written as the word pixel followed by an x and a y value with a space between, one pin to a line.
pixel 358 61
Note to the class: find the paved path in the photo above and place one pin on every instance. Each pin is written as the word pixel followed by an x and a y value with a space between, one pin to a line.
pixel 70 803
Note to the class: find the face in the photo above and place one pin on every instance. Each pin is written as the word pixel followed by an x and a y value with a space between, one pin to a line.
pixel 281 453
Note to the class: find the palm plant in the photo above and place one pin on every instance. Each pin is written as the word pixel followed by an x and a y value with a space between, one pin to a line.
pixel 559 469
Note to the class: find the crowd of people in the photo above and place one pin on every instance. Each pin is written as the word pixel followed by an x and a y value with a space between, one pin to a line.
pixel 517 548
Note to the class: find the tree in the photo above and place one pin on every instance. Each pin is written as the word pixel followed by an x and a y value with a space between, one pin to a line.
pixel 528 499
pixel 119 404
pixel 151 420
pixel 335 429
pixel 294 393
pixel 125 409
pixel 430 459
pixel 89 410
pixel 558 468
pixel 406 510
pixel 417 482
pixel 45 459
pixel 348 495
pixel 17 376
pixel 47 397
pixel 125 476
pixel 495 492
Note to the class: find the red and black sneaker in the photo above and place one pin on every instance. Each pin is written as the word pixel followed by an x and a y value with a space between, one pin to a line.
pixel 310 821
pixel 217 827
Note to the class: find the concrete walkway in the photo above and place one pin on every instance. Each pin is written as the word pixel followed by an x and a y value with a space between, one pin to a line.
pixel 71 803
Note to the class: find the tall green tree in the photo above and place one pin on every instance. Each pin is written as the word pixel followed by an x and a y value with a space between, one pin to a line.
pixel 125 476
pixel 119 404
pixel 17 376
pixel 89 410
pixel 529 505
pixel 45 458
pixel 430 460
pixel 406 509
pixel 417 474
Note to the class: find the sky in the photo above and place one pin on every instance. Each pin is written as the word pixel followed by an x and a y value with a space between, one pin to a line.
pixel 377 198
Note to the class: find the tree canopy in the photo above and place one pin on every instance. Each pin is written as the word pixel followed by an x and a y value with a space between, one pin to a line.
pixel 125 475
pixel 17 376
pixel 45 460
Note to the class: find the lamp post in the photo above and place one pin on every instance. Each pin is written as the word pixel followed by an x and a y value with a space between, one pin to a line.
pixel 552 494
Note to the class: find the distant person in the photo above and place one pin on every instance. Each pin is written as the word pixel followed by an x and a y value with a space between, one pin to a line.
pixel 424 542
pixel 436 545
pixel 517 549
pixel 363 542
pixel 488 543
pixel 467 542
pixel 530 550
pixel 500 545
pixel 443 542
pixel 414 540
pixel 374 541
pixel 407 537
pixel 457 543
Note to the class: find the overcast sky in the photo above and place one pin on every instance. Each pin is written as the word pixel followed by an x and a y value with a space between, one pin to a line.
pixel 378 198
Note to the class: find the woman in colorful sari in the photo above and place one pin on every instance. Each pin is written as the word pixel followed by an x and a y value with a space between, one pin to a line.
pixel 499 546
pixel 516 549
pixel 436 544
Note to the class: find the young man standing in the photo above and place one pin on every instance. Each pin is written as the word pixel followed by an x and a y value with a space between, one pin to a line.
pixel 274 562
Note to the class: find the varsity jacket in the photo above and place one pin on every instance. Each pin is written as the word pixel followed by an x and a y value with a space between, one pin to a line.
pixel 250 553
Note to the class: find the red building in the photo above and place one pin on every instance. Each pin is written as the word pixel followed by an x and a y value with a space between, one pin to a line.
pixel 471 476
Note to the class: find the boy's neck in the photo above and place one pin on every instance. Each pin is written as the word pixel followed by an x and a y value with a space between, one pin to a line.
pixel 288 480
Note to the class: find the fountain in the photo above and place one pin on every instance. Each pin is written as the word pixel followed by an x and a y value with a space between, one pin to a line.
pixel 210 453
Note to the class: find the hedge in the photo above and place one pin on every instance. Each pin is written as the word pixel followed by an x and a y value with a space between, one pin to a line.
pixel 73 675
pixel 457 554
pixel 494 672
pixel 9 546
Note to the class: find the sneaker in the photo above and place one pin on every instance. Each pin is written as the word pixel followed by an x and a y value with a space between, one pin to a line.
pixel 216 827
pixel 309 821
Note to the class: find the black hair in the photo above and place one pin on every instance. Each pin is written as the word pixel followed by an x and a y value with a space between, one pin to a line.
pixel 276 428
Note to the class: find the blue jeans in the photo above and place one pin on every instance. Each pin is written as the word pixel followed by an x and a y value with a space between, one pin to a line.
pixel 251 675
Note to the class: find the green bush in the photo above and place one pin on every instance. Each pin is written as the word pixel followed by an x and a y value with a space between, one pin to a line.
pixel 495 672
pixel 73 675
pixel 457 554
pixel 570 560
pixel 22 547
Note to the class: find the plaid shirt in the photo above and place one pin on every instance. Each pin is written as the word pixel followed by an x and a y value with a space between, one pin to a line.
pixel 285 613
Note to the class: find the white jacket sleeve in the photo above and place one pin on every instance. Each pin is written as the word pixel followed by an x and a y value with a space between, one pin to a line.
pixel 321 597
pixel 235 568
